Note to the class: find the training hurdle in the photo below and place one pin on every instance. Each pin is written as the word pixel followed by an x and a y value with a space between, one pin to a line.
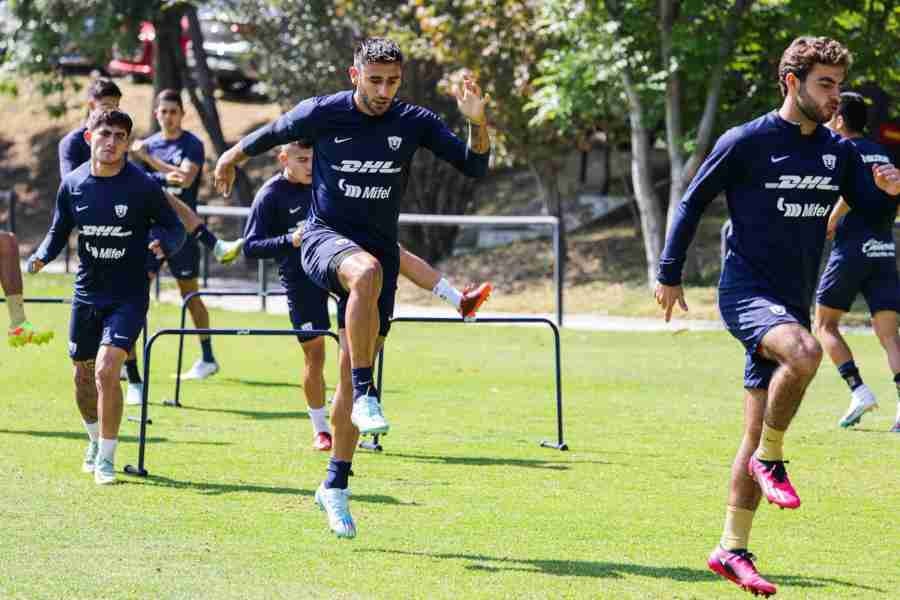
pixel 560 443
pixel 176 401
pixel 140 469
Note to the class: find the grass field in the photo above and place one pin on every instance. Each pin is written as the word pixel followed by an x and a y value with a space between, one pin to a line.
pixel 462 503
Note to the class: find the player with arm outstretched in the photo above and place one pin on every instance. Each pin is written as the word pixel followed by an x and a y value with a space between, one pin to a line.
pixel 780 174
pixel 862 260
pixel 115 208
pixel 364 142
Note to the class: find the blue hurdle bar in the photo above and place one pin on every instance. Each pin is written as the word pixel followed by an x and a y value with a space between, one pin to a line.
pixel 560 442
pixel 140 469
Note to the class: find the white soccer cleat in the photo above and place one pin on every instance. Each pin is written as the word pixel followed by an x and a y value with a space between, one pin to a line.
pixel 367 416
pixel 335 503
pixel 201 370
pixel 90 457
pixel 862 400
pixel 104 472
pixel 226 252
pixel 135 394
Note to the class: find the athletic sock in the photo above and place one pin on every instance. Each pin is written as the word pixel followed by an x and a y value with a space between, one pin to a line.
pixel 132 369
pixel 319 418
pixel 362 379
pixel 338 473
pixel 771 444
pixel 108 449
pixel 205 237
pixel 206 346
pixel 850 374
pixel 93 430
pixel 736 534
pixel 15 304
pixel 446 292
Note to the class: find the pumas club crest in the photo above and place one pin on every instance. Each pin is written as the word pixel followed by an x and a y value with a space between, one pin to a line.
pixel 121 209
pixel 830 160
pixel 394 142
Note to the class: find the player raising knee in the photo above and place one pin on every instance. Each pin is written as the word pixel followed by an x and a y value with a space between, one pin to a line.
pixel 863 259
pixel 780 175
pixel 21 331
pixel 364 142
pixel 116 208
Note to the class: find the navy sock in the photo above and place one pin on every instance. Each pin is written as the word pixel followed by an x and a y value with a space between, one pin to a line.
pixel 850 374
pixel 132 369
pixel 206 345
pixel 205 237
pixel 362 379
pixel 338 472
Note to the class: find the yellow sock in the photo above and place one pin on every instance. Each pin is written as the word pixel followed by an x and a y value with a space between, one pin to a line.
pixel 771 444
pixel 738 522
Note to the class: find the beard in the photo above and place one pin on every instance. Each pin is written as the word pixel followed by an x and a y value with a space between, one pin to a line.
pixel 809 108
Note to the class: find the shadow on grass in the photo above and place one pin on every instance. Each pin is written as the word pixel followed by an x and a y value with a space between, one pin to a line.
pixel 484 461
pixel 252 414
pixel 82 437
pixel 260 383
pixel 216 489
pixel 602 569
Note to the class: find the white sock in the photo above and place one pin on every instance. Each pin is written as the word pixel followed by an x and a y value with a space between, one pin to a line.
pixel 93 430
pixel 447 293
pixel 108 449
pixel 319 418
pixel 15 304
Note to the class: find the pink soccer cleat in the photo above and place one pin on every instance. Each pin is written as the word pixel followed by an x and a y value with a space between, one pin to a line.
pixel 773 480
pixel 473 297
pixel 322 441
pixel 737 566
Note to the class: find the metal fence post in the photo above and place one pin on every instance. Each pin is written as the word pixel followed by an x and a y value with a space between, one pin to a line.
pixel 558 270
pixel 261 276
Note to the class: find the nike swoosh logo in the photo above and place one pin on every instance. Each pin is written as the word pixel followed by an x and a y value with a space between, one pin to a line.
pixel 80 208
pixel 294 210
pixel 780 158
pixel 338 140
pixel 119 337
pixel 76 192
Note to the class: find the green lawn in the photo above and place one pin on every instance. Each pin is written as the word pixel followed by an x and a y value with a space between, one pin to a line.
pixel 463 503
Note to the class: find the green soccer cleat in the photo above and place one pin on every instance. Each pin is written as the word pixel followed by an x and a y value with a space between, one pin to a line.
pixel 226 252
pixel 26 333
pixel 335 503
pixel 104 472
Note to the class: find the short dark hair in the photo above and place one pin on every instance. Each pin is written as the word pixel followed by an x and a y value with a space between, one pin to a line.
pixel 170 95
pixel 854 111
pixel 103 88
pixel 304 143
pixel 112 118
pixel 377 51
pixel 806 52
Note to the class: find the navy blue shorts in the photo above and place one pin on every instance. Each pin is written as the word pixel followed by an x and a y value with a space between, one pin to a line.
pixel 749 316
pixel 308 307
pixel 875 276
pixel 114 324
pixel 185 264
pixel 324 249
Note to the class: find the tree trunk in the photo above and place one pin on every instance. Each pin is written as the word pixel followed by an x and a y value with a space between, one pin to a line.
pixel 166 52
pixel 201 89
pixel 652 222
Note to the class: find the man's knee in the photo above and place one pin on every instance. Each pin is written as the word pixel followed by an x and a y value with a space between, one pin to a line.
pixel 106 373
pixel 83 373
pixel 365 274
pixel 825 327
pixel 805 356
pixel 314 354
pixel 8 244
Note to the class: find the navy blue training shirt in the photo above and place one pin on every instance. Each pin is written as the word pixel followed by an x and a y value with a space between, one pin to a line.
pixel 186 146
pixel 114 217
pixel 857 226
pixel 362 162
pixel 279 208
pixel 780 186
pixel 73 151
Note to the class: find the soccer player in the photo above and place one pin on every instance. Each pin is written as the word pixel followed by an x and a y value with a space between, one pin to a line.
pixel 21 331
pixel 274 230
pixel 174 158
pixel 863 259
pixel 364 142
pixel 780 174
pixel 116 208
